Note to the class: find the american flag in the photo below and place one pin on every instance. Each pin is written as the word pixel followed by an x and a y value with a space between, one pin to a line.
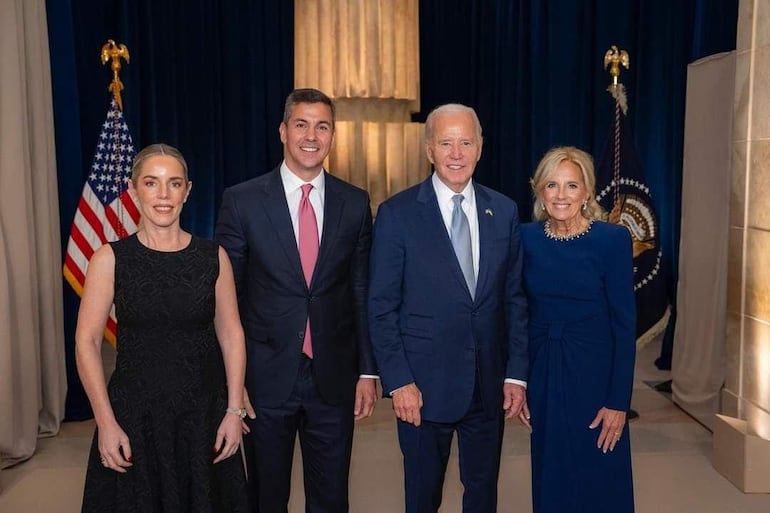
pixel 106 211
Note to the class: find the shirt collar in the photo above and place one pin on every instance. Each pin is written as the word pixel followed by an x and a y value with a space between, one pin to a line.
pixel 291 182
pixel 444 194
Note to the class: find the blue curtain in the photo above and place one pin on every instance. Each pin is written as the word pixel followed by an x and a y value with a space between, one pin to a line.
pixel 205 76
pixel 534 72
pixel 210 78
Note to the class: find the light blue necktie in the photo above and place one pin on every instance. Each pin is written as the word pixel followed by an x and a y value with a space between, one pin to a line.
pixel 461 241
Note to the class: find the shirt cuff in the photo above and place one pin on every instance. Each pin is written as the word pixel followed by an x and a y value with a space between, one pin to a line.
pixel 369 376
pixel 399 388
pixel 516 382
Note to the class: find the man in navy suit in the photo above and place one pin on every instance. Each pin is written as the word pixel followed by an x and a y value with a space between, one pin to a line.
pixel 299 242
pixel 448 317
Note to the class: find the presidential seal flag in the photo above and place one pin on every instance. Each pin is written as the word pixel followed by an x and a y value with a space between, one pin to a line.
pixel 622 191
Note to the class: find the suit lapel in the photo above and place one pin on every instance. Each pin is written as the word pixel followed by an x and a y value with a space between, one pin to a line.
pixel 333 206
pixel 277 211
pixel 437 233
pixel 486 220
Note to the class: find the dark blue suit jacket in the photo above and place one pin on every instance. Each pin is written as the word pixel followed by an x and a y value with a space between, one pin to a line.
pixel 255 229
pixel 424 325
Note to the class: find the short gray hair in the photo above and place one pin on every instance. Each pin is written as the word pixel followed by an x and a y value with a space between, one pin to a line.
pixel 450 108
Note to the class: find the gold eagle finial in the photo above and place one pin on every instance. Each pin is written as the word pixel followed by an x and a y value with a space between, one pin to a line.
pixel 114 52
pixel 615 58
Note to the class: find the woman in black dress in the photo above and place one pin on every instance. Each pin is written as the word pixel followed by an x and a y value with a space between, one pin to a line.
pixel 169 424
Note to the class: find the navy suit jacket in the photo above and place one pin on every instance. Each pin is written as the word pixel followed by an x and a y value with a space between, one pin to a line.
pixel 424 325
pixel 254 227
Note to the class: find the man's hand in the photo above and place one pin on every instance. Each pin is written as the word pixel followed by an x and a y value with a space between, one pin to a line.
pixel 515 402
pixel 407 402
pixel 249 411
pixel 366 396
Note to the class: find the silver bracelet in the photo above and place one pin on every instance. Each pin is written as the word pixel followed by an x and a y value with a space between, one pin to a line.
pixel 241 412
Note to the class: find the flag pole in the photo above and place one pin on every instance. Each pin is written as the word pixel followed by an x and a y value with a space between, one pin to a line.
pixel 112 52
pixel 614 59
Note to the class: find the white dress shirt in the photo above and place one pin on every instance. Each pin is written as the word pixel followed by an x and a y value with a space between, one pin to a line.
pixel 445 204
pixel 292 186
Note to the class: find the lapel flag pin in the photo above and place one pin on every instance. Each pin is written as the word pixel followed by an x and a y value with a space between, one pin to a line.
pixel 488 212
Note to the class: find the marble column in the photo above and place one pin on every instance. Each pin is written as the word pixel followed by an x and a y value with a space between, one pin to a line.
pixel 747 386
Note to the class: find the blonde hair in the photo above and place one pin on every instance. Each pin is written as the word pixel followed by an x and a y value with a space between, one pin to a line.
pixel 155 150
pixel 548 165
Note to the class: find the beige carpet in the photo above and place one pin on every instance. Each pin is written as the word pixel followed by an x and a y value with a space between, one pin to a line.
pixel 672 467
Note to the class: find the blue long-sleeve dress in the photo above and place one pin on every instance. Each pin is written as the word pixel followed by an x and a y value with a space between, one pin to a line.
pixel 582 349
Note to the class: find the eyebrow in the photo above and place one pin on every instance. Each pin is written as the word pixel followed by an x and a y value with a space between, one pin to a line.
pixel 154 177
pixel 303 120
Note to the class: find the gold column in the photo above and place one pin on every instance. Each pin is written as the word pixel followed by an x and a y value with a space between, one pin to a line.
pixel 365 55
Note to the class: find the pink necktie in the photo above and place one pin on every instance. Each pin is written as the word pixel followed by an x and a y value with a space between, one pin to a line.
pixel 308 251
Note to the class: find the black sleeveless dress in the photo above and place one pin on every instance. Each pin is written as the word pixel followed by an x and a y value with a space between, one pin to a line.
pixel 169 389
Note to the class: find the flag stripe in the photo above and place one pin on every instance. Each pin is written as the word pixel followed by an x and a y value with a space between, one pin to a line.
pixel 92 213
pixel 115 223
pixel 85 249
pixel 73 275
pixel 130 207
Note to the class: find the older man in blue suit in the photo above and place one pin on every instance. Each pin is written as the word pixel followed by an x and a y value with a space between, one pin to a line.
pixel 447 317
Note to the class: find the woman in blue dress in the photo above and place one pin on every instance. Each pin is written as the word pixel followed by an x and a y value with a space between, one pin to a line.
pixel 578 276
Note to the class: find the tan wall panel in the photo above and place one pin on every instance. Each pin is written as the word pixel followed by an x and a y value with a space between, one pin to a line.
pixel 757 271
pixel 762 12
pixel 745 23
pixel 756 363
pixel 759 186
pixel 741 112
pixel 733 354
pixel 760 108
pixel 734 271
pixel 738 185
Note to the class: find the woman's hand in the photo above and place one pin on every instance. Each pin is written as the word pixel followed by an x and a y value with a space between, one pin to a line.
pixel 114 447
pixel 228 437
pixel 612 422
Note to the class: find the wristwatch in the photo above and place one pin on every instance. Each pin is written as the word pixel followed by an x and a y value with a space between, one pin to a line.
pixel 241 412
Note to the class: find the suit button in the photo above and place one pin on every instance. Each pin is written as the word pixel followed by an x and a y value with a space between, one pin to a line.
pixel 312 298
pixel 301 335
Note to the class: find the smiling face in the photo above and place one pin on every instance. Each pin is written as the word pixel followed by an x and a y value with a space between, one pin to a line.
pixel 564 192
pixel 307 137
pixel 454 148
pixel 160 189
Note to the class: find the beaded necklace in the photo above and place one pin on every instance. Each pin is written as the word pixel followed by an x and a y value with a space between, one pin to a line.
pixel 571 236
